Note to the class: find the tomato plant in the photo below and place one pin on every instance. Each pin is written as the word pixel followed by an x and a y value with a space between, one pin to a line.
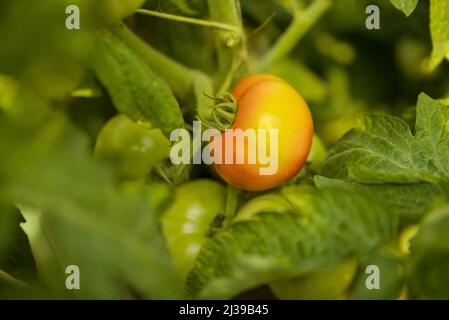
pixel 114 184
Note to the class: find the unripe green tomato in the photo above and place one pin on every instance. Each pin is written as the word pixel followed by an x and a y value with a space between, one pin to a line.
pixel 317 154
pixel 186 222
pixel 271 202
pixel 132 148
pixel 325 283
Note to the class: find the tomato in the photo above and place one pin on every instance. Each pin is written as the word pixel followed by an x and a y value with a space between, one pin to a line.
pixel 132 148
pixel 186 222
pixel 325 283
pixel 268 102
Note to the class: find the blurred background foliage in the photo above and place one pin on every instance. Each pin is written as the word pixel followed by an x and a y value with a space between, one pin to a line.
pixel 46 164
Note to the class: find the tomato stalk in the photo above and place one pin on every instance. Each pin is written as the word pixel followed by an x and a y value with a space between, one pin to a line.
pixel 231 205
pixel 303 20
pixel 199 22
pixel 222 112
pixel 231 45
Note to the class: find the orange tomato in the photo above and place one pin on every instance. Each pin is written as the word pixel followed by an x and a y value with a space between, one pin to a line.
pixel 267 102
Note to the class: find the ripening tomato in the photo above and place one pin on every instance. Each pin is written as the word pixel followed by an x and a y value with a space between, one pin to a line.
pixel 267 102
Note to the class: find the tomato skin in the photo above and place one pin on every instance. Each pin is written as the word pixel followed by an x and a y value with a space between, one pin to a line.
pixel 187 220
pixel 132 148
pixel 250 81
pixel 267 102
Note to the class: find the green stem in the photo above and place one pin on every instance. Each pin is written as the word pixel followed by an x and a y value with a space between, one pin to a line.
pixel 231 45
pixel 302 22
pixel 226 11
pixel 199 22
pixel 179 78
pixel 231 204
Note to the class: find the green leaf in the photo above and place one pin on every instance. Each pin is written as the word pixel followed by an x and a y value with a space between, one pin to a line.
pixel 134 88
pixel 382 150
pixel 391 277
pixel 408 200
pixel 406 6
pixel 439 30
pixel 16 257
pixel 384 156
pixel 280 246
pixel 428 264
pixel 432 133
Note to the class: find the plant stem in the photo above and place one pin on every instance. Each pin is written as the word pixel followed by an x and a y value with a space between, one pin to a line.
pixel 231 204
pixel 231 45
pixel 227 11
pixel 303 20
pixel 199 22
pixel 179 78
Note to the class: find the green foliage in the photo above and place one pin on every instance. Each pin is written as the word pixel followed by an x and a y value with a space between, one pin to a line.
pixel 406 6
pixel 439 29
pixel 55 52
pixel 391 277
pixel 139 77
pixel 428 264
pixel 384 157
pixel 16 257
pixel 134 88
pixel 409 201
pixel 90 221
pixel 279 246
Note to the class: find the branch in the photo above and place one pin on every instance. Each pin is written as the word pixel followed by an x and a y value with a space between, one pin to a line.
pixel 231 45
pixel 199 22
pixel 303 20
